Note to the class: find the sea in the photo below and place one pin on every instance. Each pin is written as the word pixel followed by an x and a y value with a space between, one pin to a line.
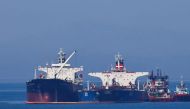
pixel 13 96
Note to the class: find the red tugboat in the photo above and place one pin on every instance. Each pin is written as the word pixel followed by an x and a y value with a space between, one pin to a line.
pixel 157 88
pixel 182 92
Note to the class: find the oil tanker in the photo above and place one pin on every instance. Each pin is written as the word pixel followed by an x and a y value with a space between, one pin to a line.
pixel 119 84
pixel 55 83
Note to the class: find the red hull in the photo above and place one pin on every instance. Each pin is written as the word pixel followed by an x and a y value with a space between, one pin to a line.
pixel 33 97
pixel 160 99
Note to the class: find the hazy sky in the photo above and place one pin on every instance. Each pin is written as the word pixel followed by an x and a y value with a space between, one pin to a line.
pixel 148 33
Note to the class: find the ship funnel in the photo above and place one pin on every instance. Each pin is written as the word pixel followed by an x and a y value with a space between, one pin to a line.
pixel 119 63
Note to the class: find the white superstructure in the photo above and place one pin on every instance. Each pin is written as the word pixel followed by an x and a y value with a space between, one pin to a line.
pixel 119 75
pixel 61 70
pixel 181 89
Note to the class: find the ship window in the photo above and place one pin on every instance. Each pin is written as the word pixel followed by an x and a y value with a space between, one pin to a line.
pixel 85 94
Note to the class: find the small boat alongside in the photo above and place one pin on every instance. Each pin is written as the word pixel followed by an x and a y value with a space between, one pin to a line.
pixel 157 88
pixel 182 92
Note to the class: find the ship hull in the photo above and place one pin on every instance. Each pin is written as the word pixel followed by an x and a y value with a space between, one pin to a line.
pixel 52 90
pixel 182 98
pixel 122 95
pixel 160 99
pixel 88 96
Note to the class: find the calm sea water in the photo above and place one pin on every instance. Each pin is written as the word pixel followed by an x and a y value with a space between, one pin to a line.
pixel 12 96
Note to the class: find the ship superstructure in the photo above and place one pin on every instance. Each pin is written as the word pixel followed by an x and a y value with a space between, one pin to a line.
pixel 62 70
pixel 118 76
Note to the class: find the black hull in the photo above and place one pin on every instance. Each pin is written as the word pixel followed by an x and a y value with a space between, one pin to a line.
pixel 88 96
pixel 52 90
pixel 122 95
pixel 182 98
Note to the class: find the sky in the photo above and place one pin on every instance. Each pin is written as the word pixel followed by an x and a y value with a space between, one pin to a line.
pixel 149 34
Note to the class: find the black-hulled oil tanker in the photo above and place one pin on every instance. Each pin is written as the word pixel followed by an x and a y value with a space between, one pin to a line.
pixel 55 83
pixel 120 85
